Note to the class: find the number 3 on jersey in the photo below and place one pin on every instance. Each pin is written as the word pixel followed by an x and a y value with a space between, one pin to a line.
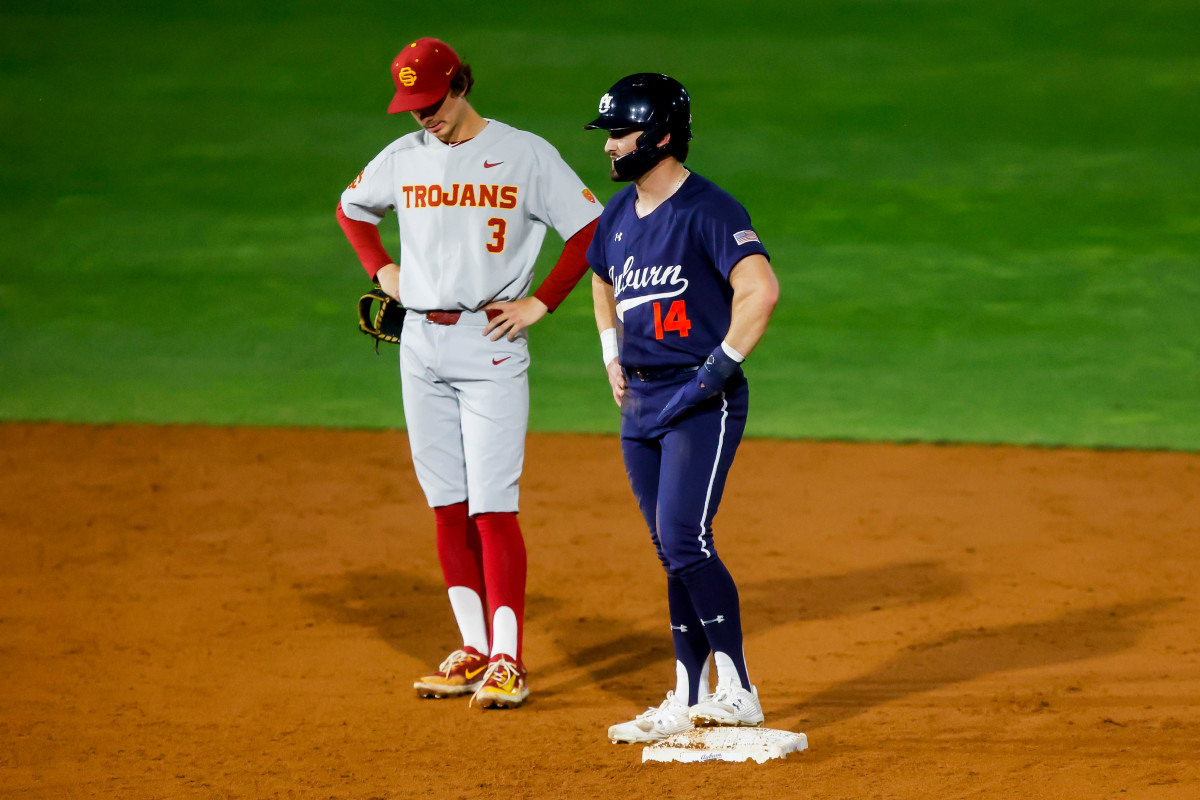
pixel 676 320
pixel 497 243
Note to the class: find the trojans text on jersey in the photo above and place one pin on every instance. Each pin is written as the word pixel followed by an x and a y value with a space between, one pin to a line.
pixel 467 194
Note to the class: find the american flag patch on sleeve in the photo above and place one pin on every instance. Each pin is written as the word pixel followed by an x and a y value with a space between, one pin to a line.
pixel 741 237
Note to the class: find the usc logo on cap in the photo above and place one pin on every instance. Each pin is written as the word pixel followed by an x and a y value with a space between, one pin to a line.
pixel 422 72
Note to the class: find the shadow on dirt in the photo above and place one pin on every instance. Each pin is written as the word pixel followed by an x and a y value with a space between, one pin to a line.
pixel 409 612
pixel 412 615
pixel 778 601
pixel 634 665
pixel 638 664
pixel 964 655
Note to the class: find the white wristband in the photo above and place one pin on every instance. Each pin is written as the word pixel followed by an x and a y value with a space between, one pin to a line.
pixel 734 354
pixel 608 345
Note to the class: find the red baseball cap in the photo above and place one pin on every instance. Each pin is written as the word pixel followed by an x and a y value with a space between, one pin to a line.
pixel 422 73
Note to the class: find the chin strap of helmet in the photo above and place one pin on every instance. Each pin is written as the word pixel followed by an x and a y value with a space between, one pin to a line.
pixel 632 166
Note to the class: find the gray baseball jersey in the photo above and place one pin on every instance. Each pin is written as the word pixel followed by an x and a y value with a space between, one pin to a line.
pixel 472 215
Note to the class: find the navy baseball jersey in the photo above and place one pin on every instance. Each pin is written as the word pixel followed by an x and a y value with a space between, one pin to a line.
pixel 670 271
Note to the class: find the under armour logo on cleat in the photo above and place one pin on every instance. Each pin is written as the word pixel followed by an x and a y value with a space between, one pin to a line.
pixel 720 618
pixel 680 628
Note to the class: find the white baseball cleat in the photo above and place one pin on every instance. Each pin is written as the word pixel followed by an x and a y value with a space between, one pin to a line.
pixel 728 705
pixel 653 725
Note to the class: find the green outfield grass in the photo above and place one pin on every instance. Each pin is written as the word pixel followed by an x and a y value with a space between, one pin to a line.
pixel 985 216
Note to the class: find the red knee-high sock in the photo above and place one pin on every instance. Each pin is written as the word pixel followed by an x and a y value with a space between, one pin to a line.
pixel 504 576
pixel 461 555
pixel 459 547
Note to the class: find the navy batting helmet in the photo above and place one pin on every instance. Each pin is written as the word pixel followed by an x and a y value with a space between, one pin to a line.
pixel 649 102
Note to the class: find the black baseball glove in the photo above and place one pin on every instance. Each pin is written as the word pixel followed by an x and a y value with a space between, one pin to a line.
pixel 386 324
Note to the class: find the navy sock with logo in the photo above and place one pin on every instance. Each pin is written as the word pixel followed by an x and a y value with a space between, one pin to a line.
pixel 687 634
pixel 714 595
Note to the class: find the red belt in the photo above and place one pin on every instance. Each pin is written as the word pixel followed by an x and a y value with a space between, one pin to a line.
pixel 452 317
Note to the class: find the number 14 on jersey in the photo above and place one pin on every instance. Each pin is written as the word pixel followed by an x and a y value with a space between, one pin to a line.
pixel 675 321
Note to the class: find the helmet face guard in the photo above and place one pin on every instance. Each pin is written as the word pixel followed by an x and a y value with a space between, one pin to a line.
pixel 652 103
pixel 637 163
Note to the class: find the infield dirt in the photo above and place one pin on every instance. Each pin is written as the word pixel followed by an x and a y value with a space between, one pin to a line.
pixel 215 612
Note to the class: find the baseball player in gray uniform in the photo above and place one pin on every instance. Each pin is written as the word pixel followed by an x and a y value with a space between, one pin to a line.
pixel 473 198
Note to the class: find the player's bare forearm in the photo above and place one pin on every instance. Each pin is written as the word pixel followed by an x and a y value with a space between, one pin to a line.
pixel 755 294
pixel 604 304
pixel 515 316
pixel 605 307
pixel 388 277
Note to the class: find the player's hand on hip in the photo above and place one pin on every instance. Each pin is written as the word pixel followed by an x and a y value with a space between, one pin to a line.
pixel 616 379
pixel 388 278
pixel 514 317
pixel 708 382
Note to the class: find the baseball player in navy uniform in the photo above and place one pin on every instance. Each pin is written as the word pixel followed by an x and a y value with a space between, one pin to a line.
pixel 683 292
pixel 474 198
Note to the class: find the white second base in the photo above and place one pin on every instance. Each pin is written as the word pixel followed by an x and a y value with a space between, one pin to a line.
pixel 726 744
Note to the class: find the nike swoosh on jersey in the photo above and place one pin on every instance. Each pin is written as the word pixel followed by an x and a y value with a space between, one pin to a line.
pixel 489 165
pixel 498 361
pixel 634 302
